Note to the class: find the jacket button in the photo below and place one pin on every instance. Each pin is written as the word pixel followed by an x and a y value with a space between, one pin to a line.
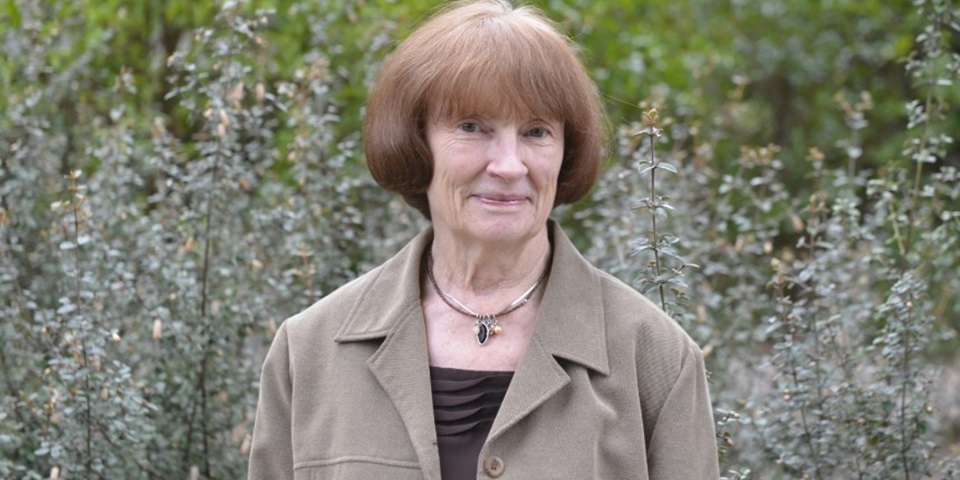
pixel 493 467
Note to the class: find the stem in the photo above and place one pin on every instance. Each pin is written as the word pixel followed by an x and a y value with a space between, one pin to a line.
pixel 851 161
pixel 812 235
pixel 653 215
pixel 87 414
pixel 918 175
pixel 850 379
pixel 186 451
pixel 785 319
pixel 901 245
pixel 201 383
pixel 203 310
pixel 905 366
pixel 8 381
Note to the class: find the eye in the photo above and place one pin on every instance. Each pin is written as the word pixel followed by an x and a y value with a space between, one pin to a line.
pixel 469 127
pixel 538 132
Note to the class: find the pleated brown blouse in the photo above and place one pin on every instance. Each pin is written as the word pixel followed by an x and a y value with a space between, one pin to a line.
pixel 465 402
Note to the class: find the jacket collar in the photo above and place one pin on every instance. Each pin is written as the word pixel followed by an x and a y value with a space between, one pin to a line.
pixel 570 324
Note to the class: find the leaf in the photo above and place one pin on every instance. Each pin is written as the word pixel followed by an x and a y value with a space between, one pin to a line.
pixel 650 131
pixel 668 167
pixel 15 19
pixel 854 152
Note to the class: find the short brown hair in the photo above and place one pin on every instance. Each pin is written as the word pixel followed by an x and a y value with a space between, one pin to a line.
pixel 480 57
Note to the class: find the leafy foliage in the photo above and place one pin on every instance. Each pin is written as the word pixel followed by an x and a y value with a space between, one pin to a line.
pixel 178 177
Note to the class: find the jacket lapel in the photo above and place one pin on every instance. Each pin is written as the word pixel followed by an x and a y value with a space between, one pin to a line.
pixel 389 308
pixel 569 326
pixel 400 365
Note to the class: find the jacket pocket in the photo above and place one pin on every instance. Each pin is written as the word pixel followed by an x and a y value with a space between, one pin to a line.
pixel 357 468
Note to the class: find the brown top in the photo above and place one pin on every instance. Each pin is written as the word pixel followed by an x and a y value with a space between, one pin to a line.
pixel 465 402
pixel 609 386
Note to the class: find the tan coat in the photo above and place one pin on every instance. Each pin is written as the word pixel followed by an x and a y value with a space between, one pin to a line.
pixel 609 387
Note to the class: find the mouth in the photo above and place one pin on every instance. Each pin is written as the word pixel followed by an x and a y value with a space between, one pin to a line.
pixel 505 200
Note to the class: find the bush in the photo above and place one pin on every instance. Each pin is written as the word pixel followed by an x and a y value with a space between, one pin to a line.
pixel 174 185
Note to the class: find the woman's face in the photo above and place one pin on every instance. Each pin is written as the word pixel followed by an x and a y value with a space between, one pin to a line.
pixel 494 179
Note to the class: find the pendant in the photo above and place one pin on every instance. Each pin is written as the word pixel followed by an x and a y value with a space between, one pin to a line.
pixel 485 327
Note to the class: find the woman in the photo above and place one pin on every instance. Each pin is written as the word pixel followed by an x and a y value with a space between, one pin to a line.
pixel 487 347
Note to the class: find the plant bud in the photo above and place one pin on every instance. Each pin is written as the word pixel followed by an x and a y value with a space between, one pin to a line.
pixel 815 155
pixel 702 313
pixel 157 329
pixel 798 225
pixel 245 446
pixel 54 473
pixel 236 94
pixel 194 472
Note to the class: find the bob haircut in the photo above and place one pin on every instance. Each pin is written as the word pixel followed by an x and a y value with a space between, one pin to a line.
pixel 480 58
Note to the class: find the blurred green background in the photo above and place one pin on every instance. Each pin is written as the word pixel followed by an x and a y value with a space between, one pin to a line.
pixel 177 177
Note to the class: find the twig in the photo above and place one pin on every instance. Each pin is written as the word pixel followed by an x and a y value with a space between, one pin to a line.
pixel 905 365
pixel 76 202
pixel 788 324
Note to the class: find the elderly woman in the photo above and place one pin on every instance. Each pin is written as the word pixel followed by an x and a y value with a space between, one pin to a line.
pixel 487 347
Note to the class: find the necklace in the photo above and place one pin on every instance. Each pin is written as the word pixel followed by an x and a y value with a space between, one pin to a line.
pixel 485 324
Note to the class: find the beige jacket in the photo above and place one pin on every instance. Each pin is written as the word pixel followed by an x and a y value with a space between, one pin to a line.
pixel 609 387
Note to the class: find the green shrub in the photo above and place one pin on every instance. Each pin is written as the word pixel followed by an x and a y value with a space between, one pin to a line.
pixel 173 184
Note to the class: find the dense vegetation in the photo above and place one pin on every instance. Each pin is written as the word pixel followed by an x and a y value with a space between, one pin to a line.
pixel 176 177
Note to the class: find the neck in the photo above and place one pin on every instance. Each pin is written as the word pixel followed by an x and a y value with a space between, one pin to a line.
pixel 483 272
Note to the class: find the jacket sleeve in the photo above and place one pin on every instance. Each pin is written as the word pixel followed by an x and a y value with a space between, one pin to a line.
pixel 271 452
pixel 684 443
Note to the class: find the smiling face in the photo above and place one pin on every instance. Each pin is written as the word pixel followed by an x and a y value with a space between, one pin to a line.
pixel 494 178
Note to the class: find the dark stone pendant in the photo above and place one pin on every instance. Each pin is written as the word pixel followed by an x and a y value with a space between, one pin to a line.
pixel 483 331
pixel 485 327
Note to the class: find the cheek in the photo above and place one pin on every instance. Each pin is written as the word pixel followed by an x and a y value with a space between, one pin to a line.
pixel 554 167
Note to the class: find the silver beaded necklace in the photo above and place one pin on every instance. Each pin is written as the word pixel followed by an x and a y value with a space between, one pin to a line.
pixel 485 324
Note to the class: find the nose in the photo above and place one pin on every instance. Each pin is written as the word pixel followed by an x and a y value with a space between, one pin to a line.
pixel 506 156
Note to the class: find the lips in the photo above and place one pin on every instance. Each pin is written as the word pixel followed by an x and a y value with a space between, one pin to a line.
pixel 501 198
